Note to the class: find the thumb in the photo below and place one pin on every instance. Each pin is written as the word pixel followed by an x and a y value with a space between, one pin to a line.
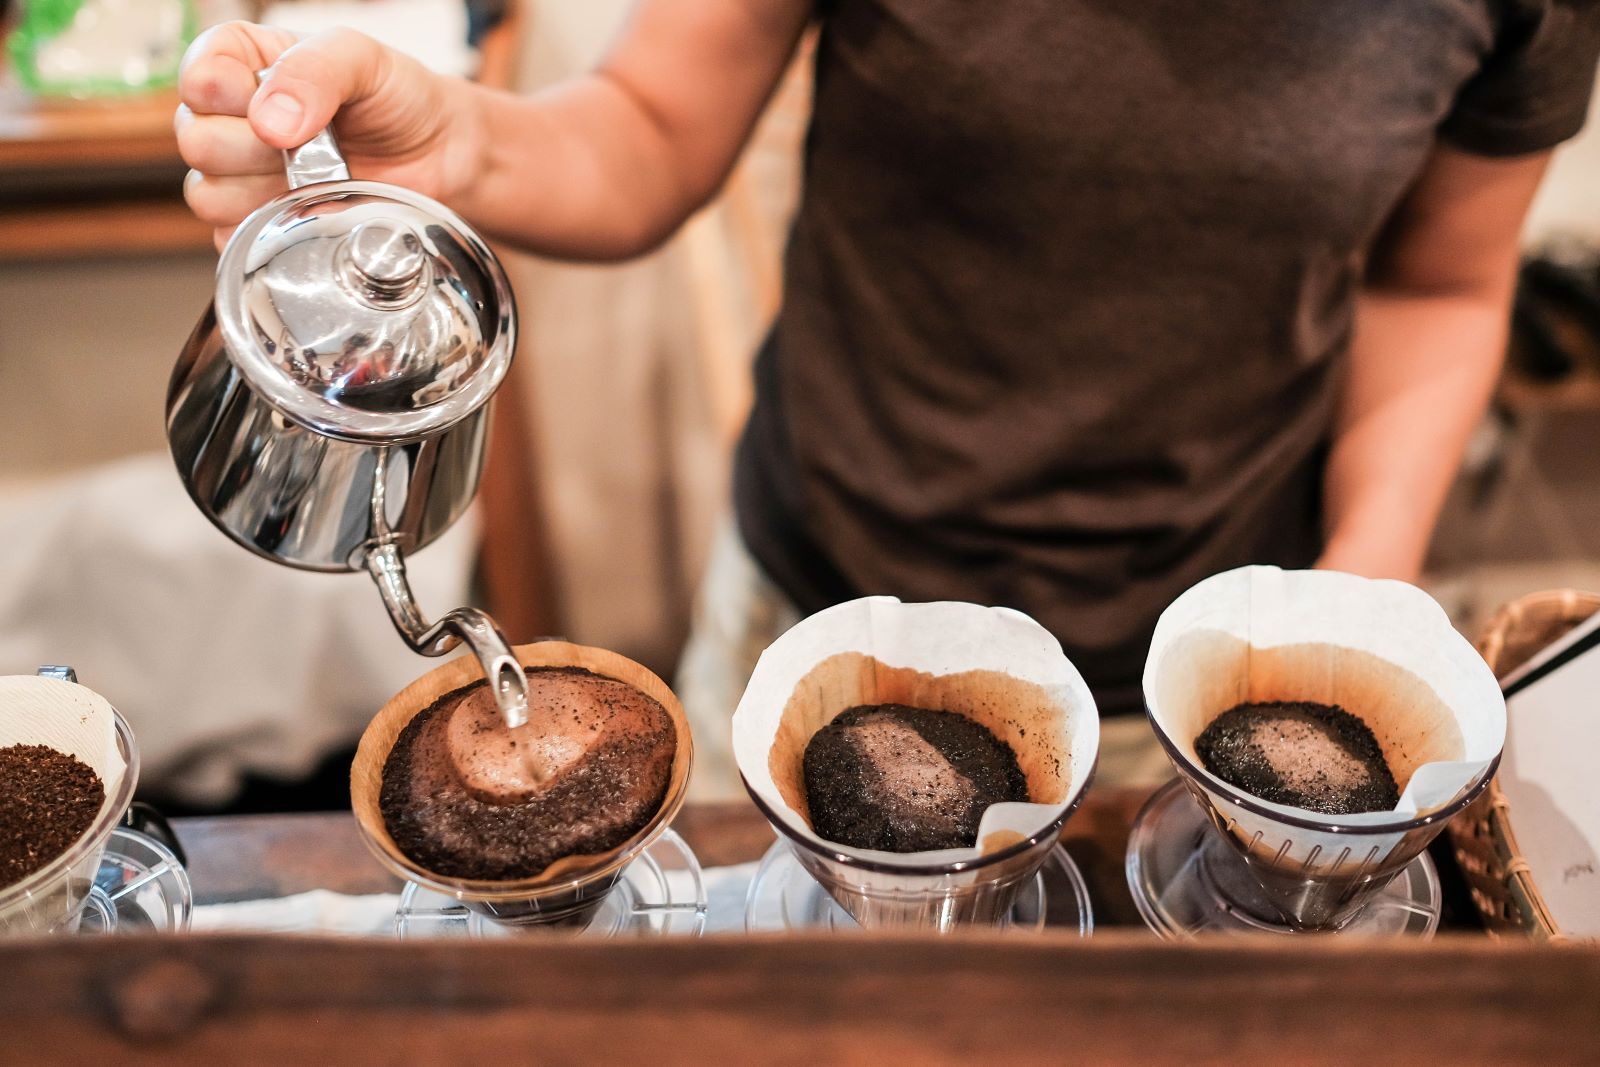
pixel 310 81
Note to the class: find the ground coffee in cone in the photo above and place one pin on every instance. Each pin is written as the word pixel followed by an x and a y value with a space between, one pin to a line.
pixel 48 800
pixel 1303 754
pixel 905 779
pixel 610 747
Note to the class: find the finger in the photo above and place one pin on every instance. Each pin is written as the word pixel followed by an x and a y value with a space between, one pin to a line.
pixel 226 201
pixel 218 74
pixel 223 145
pixel 309 82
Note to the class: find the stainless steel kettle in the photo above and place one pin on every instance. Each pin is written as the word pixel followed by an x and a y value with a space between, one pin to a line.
pixel 330 411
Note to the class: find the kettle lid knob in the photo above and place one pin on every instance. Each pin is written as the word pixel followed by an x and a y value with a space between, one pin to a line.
pixel 385 261
pixel 361 310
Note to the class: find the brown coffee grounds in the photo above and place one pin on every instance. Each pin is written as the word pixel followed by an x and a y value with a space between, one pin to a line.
pixel 595 801
pixel 48 799
pixel 1302 754
pixel 903 779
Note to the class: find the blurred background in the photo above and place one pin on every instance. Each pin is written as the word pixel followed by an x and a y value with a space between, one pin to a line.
pixel 247 682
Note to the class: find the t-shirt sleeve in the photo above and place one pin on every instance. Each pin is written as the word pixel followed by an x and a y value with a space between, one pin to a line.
pixel 1532 91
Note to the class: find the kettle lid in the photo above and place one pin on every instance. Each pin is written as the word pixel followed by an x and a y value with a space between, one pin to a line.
pixel 363 310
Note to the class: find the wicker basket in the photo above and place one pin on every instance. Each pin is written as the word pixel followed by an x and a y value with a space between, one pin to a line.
pixel 1485 847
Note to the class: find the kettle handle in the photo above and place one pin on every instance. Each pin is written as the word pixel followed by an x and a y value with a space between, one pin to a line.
pixel 318 160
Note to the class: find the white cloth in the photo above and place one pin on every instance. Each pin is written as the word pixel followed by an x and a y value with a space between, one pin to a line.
pixel 321 911
pixel 220 661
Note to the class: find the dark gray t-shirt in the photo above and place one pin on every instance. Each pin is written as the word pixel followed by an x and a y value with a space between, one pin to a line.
pixel 1071 283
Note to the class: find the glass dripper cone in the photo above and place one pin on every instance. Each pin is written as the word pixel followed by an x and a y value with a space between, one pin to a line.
pixel 1186 879
pixel 1294 877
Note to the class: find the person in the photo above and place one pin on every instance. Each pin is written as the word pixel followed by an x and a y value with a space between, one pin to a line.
pixel 1084 301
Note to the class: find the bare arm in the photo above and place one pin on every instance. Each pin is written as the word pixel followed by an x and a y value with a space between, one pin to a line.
pixel 603 166
pixel 611 163
pixel 1431 328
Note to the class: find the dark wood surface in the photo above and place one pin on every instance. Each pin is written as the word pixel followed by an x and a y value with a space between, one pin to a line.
pixel 251 857
pixel 878 1000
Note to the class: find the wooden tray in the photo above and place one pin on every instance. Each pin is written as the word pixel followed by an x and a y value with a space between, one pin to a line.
pixel 878 1001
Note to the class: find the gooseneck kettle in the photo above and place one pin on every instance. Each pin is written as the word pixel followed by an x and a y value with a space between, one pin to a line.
pixel 330 411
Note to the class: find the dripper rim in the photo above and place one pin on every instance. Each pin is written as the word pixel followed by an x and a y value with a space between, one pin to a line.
pixel 99 831
pixel 1256 806
pixel 832 852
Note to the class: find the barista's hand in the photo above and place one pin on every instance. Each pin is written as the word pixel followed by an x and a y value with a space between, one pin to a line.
pixel 603 166
pixel 397 121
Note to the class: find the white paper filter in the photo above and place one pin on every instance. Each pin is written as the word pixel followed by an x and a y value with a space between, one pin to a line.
pixel 64 716
pixel 1384 650
pixel 896 650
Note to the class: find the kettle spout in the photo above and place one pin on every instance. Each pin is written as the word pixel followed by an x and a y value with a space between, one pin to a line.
pixel 506 679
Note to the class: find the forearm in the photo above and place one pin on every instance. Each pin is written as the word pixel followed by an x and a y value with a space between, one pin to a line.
pixel 608 164
pixel 1422 369
pixel 1431 326
pixel 577 171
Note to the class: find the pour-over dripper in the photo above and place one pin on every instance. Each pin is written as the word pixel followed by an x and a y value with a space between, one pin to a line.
pixel 565 894
pixel 1383 650
pixel 53 897
pixel 994 665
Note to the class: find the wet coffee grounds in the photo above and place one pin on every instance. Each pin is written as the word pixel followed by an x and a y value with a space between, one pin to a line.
pixel 597 800
pixel 1306 755
pixel 904 779
pixel 48 799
